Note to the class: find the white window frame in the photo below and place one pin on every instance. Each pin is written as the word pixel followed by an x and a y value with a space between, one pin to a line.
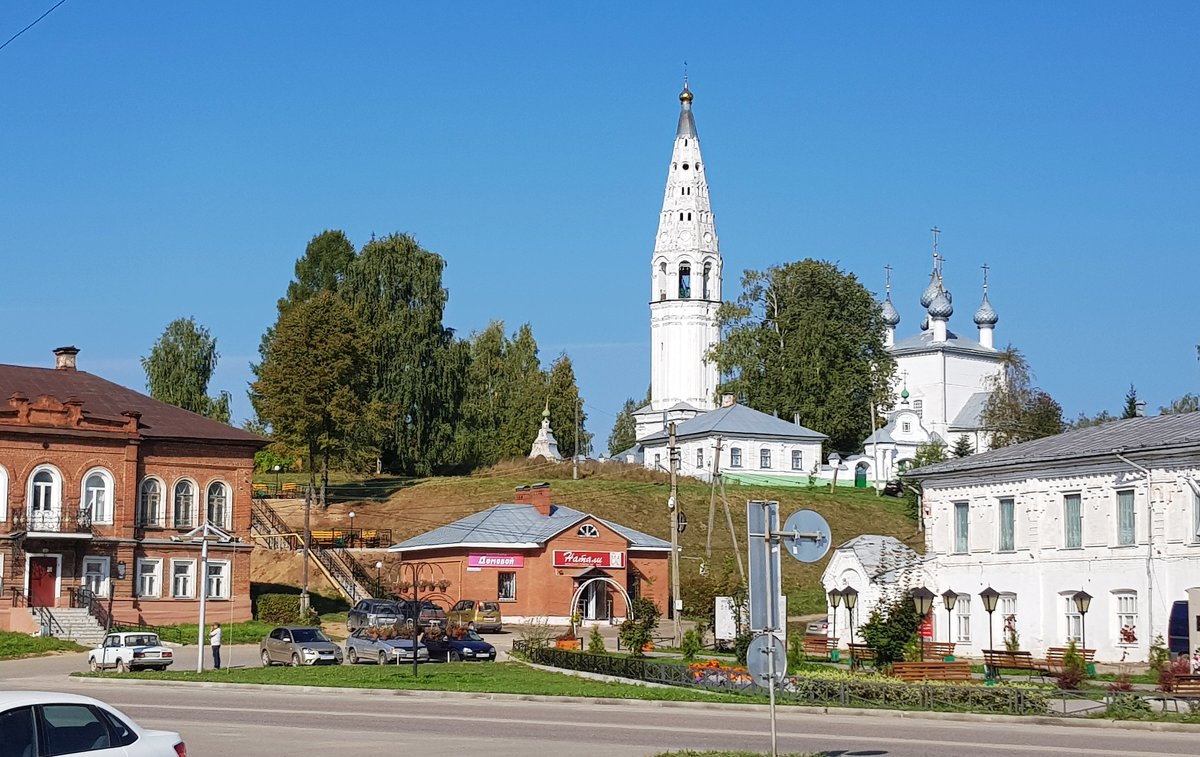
pixel 1125 605
pixel 3 494
pixel 962 622
pixel 154 573
pixel 160 509
pixel 193 509
pixel 510 596
pixel 227 520
pixel 54 511
pixel 964 547
pixel 1195 517
pixel 699 458
pixel 797 459
pixel 105 572
pixel 1000 545
pixel 918 407
pixel 104 513
pixel 1072 620
pixel 764 459
pixel 222 570
pixel 587 531
pixel 735 457
pixel 1117 512
pixel 1066 532
pixel 189 576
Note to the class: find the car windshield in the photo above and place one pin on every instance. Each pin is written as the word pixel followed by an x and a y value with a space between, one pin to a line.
pixel 473 636
pixel 308 634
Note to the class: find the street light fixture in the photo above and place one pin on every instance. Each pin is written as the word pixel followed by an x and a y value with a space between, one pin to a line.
pixel 850 596
pixel 351 514
pixel 989 596
pixel 835 601
pixel 1083 601
pixel 277 468
pixel 378 577
pixel 923 601
pixel 949 598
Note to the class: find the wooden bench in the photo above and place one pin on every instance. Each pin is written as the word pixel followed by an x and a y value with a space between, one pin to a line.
pixel 931 671
pixel 1186 688
pixel 819 647
pixel 260 491
pixel 995 659
pixel 332 538
pixel 861 654
pixel 937 650
pixel 1055 655
pixel 291 489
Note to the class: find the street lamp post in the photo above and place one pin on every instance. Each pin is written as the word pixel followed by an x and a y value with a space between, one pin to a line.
pixel 379 577
pixel 277 468
pixel 835 601
pixel 923 602
pixel 1083 601
pixel 948 600
pixel 351 515
pixel 989 597
pixel 415 569
pixel 850 596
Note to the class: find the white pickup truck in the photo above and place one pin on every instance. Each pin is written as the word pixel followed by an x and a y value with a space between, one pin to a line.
pixel 130 650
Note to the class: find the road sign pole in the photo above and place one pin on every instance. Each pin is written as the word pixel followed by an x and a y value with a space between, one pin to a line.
pixel 771 688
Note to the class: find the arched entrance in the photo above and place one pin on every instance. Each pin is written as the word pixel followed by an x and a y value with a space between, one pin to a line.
pixel 860 476
pixel 591 598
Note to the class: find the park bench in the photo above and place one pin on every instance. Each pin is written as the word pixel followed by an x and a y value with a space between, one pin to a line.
pixel 931 671
pixel 819 647
pixel 861 654
pixel 1186 688
pixel 995 659
pixel 938 650
pixel 290 489
pixel 260 491
pixel 332 538
pixel 1055 655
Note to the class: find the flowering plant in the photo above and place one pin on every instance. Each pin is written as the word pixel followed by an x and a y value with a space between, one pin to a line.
pixel 1128 635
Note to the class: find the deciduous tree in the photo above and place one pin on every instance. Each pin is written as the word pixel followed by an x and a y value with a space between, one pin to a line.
pixel 179 367
pixel 1188 403
pixel 1016 411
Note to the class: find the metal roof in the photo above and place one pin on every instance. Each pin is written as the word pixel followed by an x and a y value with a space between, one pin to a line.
pixel 1158 433
pixel 517 526
pixel 880 555
pixel 923 342
pixel 971 415
pixel 737 421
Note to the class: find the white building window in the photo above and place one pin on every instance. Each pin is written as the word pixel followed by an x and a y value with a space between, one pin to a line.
pixel 1126 531
pixel 1196 518
pixel 218 504
pixel 183 579
pixel 700 459
pixel 1127 617
pixel 150 502
pixel 962 609
pixel 149 577
pixel 764 458
pixel 735 457
pixel 1074 621
pixel 962 526
pixel 797 459
pixel 919 408
pixel 657 461
pixel 1008 525
pixel 97 496
pixel 95 575
pixel 217 581
pixel 3 494
pixel 185 503
pixel 506 586
pixel 587 531
pixel 45 499
pixel 1072 521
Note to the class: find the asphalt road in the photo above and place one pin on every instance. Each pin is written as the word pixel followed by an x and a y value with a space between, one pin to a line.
pixel 236 722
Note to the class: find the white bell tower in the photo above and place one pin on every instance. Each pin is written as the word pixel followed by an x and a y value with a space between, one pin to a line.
pixel 685 287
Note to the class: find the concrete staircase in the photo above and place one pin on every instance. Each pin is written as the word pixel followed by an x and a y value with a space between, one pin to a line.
pixel 73 624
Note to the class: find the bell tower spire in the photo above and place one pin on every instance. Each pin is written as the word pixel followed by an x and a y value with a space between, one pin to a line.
pixel 685 277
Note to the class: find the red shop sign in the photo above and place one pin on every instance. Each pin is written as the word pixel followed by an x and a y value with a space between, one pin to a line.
pixel 573 558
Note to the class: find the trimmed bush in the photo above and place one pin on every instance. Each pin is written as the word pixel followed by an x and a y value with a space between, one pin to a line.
pixel 284 609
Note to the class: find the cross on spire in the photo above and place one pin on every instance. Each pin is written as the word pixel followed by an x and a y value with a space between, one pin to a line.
pixel 985 277
pixel 937 258
pixel 888 275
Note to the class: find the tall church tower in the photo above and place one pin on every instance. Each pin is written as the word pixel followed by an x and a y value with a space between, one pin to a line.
pixel 685 288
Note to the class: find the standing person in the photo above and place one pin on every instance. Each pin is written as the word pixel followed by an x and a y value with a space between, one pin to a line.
pixel 214 640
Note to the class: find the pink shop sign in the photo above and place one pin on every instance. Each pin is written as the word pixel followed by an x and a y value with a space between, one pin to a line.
pixel 496 561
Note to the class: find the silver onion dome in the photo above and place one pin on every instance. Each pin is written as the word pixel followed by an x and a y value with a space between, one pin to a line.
pixel 985 315
pixel 941 307
pixel 890 316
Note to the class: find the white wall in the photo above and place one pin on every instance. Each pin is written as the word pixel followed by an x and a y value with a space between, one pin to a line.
pixel 781 456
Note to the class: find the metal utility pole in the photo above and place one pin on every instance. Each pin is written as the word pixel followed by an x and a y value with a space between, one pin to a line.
pixel 712 499
pixel 307 538
pixel 673 505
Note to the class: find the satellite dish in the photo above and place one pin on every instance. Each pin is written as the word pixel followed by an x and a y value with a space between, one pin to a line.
pixel 758 664
pixel 806 536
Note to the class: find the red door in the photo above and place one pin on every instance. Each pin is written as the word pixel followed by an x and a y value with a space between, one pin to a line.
pixel 42 578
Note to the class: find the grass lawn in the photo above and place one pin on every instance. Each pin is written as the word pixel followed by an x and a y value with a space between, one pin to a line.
pixel 245 632
pixel 13 645
pixel 499 677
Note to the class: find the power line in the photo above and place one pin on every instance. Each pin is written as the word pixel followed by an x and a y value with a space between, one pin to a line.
pixel 32 24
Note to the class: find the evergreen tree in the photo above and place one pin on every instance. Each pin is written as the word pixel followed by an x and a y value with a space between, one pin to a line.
pixel 395 290
pixel 1131 403
pixel 928 454
pixel 564 399
pixel 963 447
pixel 1015 410
pixel 179 367
pixel 807 338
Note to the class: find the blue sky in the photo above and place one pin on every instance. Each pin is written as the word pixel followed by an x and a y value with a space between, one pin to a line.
pixel 160 160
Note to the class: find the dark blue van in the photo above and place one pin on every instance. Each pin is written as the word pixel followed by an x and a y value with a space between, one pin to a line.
pixel 1177 630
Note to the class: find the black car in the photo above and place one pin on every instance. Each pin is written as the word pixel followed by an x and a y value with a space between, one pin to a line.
pixel 373 612
pixel 894 488
pixel 430 614
pixel 448 646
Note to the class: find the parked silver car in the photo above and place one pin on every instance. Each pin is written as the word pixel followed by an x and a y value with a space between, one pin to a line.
pixel 360 646
pixel 298 645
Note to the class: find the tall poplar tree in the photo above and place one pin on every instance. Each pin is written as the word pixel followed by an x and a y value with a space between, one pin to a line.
pixel 180 366
pixel 806 338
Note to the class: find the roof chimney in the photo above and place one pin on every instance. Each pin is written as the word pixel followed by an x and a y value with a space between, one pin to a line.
pixel 64 358
pixel 537 495
pixel 727 400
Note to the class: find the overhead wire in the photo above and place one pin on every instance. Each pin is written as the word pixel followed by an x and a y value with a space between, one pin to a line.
pixel 31 24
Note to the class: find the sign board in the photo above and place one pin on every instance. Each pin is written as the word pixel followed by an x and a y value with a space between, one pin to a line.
pixel 574 558
pixel 759 663
pixel 925 630
pixel 762 554
pixel 725 625
pixel 495 561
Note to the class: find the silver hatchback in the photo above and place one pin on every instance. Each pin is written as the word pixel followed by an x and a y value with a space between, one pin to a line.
pixel 298 645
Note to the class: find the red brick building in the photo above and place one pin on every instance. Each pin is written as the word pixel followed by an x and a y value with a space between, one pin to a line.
pixel 534 557
pixel 98 485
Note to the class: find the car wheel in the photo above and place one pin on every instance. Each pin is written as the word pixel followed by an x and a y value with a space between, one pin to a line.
pixel 352 655
pixel 266 659
pixel 382 659
pixel 295 660
pixel 121 666
pixel 95 666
